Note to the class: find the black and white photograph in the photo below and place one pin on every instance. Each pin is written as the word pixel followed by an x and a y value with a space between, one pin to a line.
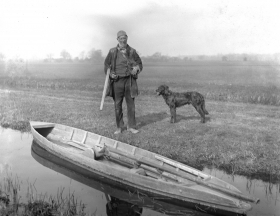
pixel 139 108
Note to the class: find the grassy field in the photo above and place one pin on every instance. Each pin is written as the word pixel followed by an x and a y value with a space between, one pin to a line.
pixel 241 134
pixel 247 82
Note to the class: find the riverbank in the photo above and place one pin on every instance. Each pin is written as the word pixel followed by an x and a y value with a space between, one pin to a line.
pixel 11 204
pixel 237 138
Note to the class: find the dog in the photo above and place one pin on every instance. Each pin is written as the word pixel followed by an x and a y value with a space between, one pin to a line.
pixel 176 99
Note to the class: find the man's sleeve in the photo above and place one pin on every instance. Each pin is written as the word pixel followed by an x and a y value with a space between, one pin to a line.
pixel 138 60
pixel 107 62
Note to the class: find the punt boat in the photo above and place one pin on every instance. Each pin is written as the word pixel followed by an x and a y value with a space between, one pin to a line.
pixel 111 191
pixel 137 169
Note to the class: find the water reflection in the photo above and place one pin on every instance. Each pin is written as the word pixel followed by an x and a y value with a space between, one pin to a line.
pixel 119 200
pixel 118 207
pixel 268 192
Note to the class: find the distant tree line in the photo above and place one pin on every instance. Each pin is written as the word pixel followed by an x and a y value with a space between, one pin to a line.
pixel 95 56
pixel 2 57
pixel 158 57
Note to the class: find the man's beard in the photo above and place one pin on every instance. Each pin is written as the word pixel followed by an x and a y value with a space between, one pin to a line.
pixel 122 45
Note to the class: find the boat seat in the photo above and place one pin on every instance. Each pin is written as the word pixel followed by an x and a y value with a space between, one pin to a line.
pixel 94 153
pixel 89 153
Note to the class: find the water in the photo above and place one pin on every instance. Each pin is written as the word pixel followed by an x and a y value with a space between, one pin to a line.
pixel 46 178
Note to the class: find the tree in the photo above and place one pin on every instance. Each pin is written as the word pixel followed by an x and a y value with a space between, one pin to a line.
pixel 82 55
pixel 156 55
pixel 15 67
pixel 2 56
pixel 201 57
pixel 276 56
pixel 95 55
pixel 65 55
pixel 49 57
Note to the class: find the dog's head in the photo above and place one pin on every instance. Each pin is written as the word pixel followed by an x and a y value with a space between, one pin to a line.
pixel 162 90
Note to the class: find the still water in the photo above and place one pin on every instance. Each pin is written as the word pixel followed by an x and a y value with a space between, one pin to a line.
pixel 19 158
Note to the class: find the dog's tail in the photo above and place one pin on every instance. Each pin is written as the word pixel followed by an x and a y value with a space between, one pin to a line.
pixel 204 109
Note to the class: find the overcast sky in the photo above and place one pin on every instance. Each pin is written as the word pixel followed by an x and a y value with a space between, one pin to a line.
pixel 32 28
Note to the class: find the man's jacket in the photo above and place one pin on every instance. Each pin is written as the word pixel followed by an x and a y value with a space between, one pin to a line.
pixel 133 60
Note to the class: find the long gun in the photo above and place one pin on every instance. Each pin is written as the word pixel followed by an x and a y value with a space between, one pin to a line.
pixel 105 88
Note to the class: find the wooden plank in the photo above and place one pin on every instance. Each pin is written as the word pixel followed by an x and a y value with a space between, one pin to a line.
pixel 133 150
pixel 78 135
pixel 60 132
pixel 91 139
pixel 116 144
pixel 72 134
pixel 84 139
pixel 77 145
pixel 182 167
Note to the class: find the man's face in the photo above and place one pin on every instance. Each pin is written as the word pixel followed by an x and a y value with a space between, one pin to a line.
pixel 122 40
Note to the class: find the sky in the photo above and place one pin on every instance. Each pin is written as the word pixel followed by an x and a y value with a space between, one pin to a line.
pixel 37 28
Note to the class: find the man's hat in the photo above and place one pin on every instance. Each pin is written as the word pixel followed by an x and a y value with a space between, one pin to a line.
pixel 121 33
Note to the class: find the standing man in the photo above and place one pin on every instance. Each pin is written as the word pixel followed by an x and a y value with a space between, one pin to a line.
pixel 125 65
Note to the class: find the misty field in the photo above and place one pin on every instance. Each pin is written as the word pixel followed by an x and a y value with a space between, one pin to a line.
pixel 249 82
pixel 241 135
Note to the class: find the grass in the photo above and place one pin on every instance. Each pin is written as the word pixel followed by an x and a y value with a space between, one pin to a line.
pixel 241 135
pixel 36 204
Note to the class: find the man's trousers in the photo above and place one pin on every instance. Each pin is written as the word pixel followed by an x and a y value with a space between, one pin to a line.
pixel 121 91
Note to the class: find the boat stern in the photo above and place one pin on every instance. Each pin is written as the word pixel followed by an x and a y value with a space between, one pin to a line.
pixel 35 124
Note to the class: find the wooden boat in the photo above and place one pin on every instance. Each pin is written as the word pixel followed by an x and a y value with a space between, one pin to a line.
pixel 163 179
pixel 110 190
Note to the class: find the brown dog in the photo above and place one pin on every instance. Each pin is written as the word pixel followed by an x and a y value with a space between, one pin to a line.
pixel 175 99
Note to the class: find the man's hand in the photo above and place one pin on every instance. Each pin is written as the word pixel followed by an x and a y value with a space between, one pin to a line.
pixel 135 70
pixel 113 75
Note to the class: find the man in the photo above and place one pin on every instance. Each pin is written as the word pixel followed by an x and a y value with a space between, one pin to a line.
pixel 118 207
pixel 125 65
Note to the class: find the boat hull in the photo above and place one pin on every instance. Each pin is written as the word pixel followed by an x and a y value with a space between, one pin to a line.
pixel 125 194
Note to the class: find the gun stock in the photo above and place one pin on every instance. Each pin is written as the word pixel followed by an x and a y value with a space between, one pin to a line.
pixel 105 88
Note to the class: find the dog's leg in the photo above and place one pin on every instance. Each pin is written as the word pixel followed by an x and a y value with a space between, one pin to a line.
pixel 173 114
pixel 202 114
pixel 200 111
pixel 204 109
